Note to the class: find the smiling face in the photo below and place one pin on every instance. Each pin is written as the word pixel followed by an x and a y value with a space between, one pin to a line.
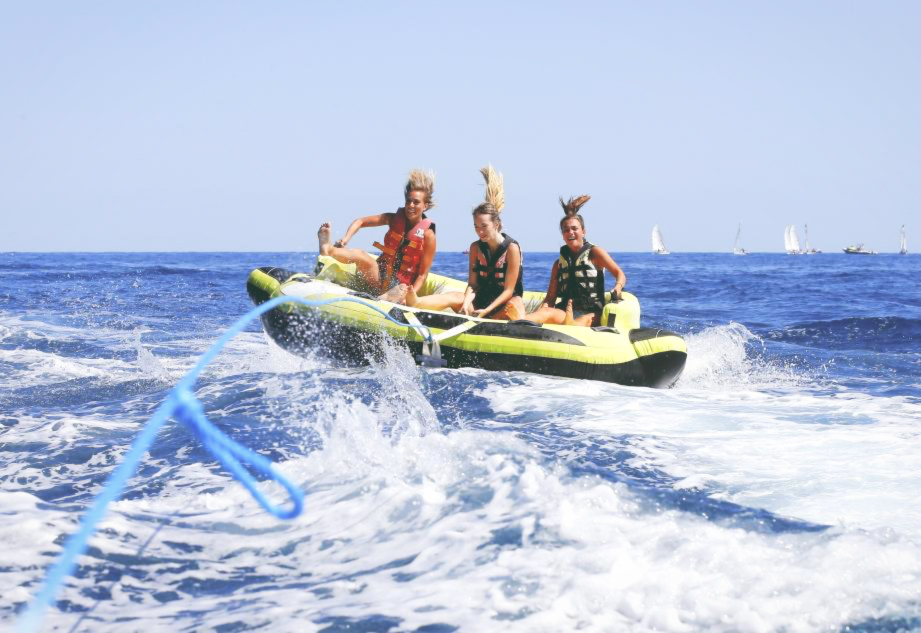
pixel 573 233
pixel 415 205
pixel 487 229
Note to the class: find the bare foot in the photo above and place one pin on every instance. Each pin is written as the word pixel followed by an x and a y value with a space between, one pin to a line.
pixel 397 294
pixel 323 237
pixel 411 297
pixel 569 320
pixel 512 312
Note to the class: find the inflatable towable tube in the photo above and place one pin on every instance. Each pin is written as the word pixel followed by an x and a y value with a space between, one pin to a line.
pixel 618 351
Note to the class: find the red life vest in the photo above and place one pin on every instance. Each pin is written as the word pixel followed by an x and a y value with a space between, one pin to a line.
pixel 402 250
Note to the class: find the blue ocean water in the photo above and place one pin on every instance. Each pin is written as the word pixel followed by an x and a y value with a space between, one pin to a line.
pixel 776 487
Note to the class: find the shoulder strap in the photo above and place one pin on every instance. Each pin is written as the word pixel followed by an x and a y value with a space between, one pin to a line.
pixel 503 246
pixel 399 221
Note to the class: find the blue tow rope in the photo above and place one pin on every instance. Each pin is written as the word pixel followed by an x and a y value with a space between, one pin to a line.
pixel 182 404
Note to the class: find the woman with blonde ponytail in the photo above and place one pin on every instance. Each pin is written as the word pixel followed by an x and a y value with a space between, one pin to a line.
pixel 408 248
pixel 494 281
pixel 577 277
pixel 494 285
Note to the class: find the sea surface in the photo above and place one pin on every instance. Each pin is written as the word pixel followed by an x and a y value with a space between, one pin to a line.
pixel 777 487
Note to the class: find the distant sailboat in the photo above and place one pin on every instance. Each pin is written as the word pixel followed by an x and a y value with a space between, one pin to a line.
pixel 791 241
pixel 658 246
pixel 903 242
pixel 809 250
pixel 736 249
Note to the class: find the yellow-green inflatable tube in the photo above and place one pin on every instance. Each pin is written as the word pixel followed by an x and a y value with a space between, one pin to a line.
pixel 618 351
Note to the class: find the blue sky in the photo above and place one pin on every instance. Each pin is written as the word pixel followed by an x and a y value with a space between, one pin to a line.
pixel 241 126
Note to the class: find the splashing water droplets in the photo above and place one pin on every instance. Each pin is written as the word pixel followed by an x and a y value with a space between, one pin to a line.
pixel 149 364
pixel 729 356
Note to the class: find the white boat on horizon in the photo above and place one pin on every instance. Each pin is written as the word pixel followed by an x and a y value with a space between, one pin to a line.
pixel 903 242
pixel 858 250
pixel 791 241
pixel 658 245
pixel 736 249
pixel 808 250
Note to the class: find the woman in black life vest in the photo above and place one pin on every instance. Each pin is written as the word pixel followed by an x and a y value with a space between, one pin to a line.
pixel 577 277
pixel 494 285
pixel 409 245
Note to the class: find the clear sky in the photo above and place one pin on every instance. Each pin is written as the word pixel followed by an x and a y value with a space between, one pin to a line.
pixel 242 125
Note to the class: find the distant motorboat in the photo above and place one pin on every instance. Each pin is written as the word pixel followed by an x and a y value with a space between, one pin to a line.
pixel 658 246
pixel 858 250
pixel 791 241
pixel 736 249
pixel 903 242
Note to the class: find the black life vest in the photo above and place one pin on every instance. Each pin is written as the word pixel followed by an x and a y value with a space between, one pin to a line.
pixel 491 269
pixel 577 278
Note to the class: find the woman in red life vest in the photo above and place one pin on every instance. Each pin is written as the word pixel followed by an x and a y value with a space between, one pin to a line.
pixel 577 277
pixel 494 287
pixel 408 248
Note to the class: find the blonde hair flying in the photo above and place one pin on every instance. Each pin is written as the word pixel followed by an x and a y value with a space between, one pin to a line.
pixel 424 181
pixel 495 195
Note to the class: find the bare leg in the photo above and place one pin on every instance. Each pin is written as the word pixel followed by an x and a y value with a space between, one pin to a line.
pixel 365 265
pixel 584 320
pixel 511 311
pixel 546 314
pixel 441 301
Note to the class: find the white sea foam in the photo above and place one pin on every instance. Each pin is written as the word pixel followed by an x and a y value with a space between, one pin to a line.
pixel 474 529
pixel 478 530
pixel 247 353
pixel 848 458
pixel 34 367
pixel 721 358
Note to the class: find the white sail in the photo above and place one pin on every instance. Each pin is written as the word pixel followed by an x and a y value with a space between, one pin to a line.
pixel 736 249
pixel 658 246
pixel 794 241
pixel 903 242
pixel 787 242
pixel 809 250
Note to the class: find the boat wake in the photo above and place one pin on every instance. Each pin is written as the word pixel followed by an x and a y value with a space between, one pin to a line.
pixel 458 526
pixel 763 492
pixel 730 356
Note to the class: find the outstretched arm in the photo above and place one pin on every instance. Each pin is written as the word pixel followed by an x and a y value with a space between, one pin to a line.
pixel 601 258
pixel 369 220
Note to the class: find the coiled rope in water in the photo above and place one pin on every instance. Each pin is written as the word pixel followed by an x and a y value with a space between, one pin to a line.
pixel 182 404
